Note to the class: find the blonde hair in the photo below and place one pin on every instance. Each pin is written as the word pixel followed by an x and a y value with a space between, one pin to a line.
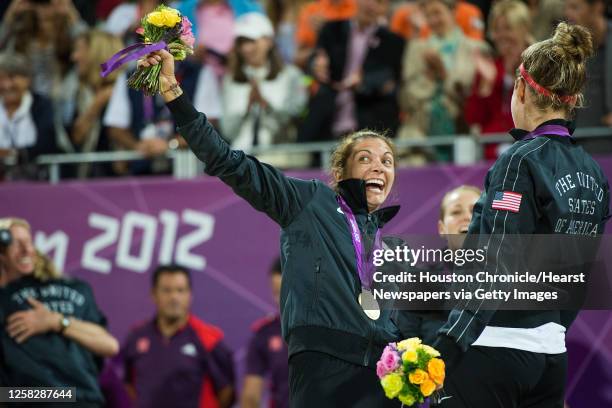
pixel 516 13
pixel 461 188
pixel 100 47
pixel 9 222
pixel 559 65
pixel 344 150
pixel 44 269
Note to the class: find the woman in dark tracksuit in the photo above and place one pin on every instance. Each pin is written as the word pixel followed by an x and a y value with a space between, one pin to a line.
pixel 513 358
pixel 333 341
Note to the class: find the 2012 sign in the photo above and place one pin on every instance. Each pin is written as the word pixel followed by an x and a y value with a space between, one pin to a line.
pixel 132 239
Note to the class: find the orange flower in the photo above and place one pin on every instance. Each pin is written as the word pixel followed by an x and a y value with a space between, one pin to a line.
pixel 418 376
pixel 436 370
pixel 427 388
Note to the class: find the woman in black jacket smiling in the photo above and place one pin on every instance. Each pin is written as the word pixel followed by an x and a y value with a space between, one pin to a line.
pixel 334 341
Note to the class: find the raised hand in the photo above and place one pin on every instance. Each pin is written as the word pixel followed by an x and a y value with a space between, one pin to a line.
pixel 167 81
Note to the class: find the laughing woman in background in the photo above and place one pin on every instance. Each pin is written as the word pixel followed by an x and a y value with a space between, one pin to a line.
pixel 52 333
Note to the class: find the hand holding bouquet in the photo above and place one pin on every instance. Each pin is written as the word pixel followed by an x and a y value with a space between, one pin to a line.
pixel 410 371
pixel 163 28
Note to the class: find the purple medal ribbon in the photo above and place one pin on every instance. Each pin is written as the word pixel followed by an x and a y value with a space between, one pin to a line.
pixel 366 272
pixel 556 130
pixel 131 53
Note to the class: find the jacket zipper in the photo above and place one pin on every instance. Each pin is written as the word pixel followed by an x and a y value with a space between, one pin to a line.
pixel 371 324
pixel 315 298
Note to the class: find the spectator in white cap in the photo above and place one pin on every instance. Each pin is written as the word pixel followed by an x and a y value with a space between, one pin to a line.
pixel 261 95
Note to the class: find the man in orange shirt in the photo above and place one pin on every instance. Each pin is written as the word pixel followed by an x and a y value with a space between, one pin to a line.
pixel 408 21
pixel 312 17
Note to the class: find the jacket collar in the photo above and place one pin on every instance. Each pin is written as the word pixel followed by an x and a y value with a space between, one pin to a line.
pixel 520 134
pixel 354 193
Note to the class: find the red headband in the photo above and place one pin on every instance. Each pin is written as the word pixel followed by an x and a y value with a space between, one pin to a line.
pixel 543 91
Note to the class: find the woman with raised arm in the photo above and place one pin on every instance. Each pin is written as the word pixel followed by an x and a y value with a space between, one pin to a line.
pixel 334 328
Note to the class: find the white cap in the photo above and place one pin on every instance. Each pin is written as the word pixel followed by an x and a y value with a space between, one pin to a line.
pixel 253 26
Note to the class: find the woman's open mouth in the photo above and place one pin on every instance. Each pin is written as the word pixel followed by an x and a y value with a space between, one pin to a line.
pixel 375 185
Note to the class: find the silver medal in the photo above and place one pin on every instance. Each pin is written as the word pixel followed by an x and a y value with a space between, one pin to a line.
pixel 369 304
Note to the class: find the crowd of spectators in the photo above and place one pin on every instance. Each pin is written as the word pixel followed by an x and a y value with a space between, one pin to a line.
pixel 277 71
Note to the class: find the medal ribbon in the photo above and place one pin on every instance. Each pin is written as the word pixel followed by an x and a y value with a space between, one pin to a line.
pixel 365 268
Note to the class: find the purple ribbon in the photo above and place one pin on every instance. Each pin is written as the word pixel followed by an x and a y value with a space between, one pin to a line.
pixel 366 272
pixel 131 53
pixel 556 130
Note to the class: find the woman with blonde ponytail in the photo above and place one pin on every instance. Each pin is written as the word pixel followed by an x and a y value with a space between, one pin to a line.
pixel 517 358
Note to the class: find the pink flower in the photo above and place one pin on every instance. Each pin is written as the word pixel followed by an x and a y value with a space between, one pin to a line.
pixel 186 25
pixel 380 369
pixel 186 34
pixel 140 31
pixel 390 359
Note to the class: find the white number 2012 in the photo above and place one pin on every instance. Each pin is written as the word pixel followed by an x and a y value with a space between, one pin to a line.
pixel 124 234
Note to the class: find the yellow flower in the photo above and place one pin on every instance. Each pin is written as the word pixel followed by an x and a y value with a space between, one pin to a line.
pixel 392 384
pixel 164 18
pixel 418 376
pixel 427 388
pixel 407 399
pixel 172 17
pixel 408 344
pixel 156 18
pixel 410 356
pixel 430 350
pixel 436 369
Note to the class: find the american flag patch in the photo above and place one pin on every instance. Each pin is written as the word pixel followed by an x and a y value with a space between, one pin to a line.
pixel 507 200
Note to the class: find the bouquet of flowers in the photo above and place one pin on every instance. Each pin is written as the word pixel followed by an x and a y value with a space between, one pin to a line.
pixel 163 28
pixel 410 371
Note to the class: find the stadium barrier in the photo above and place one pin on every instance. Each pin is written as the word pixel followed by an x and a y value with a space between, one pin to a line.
pixel 467 149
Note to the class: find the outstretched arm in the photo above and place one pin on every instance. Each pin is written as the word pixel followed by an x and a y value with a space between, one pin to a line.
pixel 263 186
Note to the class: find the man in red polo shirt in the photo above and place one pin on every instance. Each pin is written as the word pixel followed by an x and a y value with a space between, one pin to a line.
pixel 176 360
